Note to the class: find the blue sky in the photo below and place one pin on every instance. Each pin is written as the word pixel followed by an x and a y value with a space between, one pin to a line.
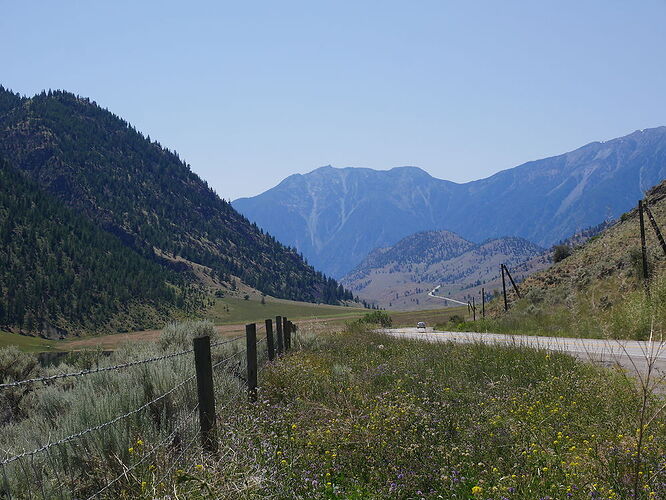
pixel 251 92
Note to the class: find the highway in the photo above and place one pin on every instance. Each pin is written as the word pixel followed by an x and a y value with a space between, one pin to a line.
pixel 431 293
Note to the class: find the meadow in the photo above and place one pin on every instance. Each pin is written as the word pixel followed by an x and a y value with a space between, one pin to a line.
pixel 230 310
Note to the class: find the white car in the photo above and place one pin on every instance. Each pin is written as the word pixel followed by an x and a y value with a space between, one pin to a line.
pixel 421 324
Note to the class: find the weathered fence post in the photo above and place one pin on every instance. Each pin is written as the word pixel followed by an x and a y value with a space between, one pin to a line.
pixel 280 336
pixel 646 275
pixel 205 392
pixel 483 303
pixel 506 303
pixel 287 334
pixel 251 344
pixel 269 340
pixel 292 329
pixel 474 308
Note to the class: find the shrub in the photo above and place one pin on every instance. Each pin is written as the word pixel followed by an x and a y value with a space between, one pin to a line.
pixel 561 252
pixel 378 318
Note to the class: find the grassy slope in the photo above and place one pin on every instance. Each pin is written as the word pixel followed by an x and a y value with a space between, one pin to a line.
pixel 28 344
pixel 225 311
pixel 597 291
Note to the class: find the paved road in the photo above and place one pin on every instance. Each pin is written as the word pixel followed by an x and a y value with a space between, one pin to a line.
pixel 629 354
pixel 431 293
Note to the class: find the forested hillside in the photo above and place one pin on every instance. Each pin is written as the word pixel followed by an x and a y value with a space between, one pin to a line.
pixel 60 273
pixel 144 197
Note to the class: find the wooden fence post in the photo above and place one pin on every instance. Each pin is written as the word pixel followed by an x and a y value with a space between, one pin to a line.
pixel 292 330
pixel 287 334
pixel 269 340
pixel 483 303
pixel 474 308
pixel 280 335
pixel 646 276
pixel 205 392
pixel 251 344
pixel 506 303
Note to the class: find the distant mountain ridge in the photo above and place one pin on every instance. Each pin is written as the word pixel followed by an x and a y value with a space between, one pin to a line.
pixel 399 277
pixel 336 216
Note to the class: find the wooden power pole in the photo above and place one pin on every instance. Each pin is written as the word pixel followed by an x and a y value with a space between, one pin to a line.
pixel 646 276
pixel 506 303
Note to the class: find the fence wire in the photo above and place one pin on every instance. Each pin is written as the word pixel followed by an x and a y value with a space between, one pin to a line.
pixel 95 370
pixel 111 368
pixel 147 455
pixel 227 358
pixel 179 426
pixel 97 427
pixel 227 341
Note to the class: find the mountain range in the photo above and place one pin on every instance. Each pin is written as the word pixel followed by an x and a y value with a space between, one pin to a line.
pixel 399 277
pixel 100 186
pixel 336 216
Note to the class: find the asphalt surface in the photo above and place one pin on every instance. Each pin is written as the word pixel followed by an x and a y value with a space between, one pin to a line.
pixel 629 354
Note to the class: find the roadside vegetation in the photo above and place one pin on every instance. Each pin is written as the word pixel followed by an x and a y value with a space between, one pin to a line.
pixel 353 414
pixel 361 415
pixel 637 316
pixel 36 414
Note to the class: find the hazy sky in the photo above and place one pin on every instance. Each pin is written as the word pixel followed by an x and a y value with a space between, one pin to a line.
pixel 251 92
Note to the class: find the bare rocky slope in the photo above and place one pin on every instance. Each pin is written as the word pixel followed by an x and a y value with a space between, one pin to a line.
pixel 400 276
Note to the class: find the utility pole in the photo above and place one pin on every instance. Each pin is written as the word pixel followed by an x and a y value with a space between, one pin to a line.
pixel 506 303
pixel 646 276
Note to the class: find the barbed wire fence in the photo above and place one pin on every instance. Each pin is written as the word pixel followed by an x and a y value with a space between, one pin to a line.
pixel 56 469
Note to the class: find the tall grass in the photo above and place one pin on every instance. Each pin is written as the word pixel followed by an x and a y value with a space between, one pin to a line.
pixel 41 414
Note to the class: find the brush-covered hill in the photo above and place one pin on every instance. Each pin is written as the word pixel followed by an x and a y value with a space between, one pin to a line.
pixel 106 172
pixel 400 276
pixel 336 216
pixel 598 290
pixel 610 262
